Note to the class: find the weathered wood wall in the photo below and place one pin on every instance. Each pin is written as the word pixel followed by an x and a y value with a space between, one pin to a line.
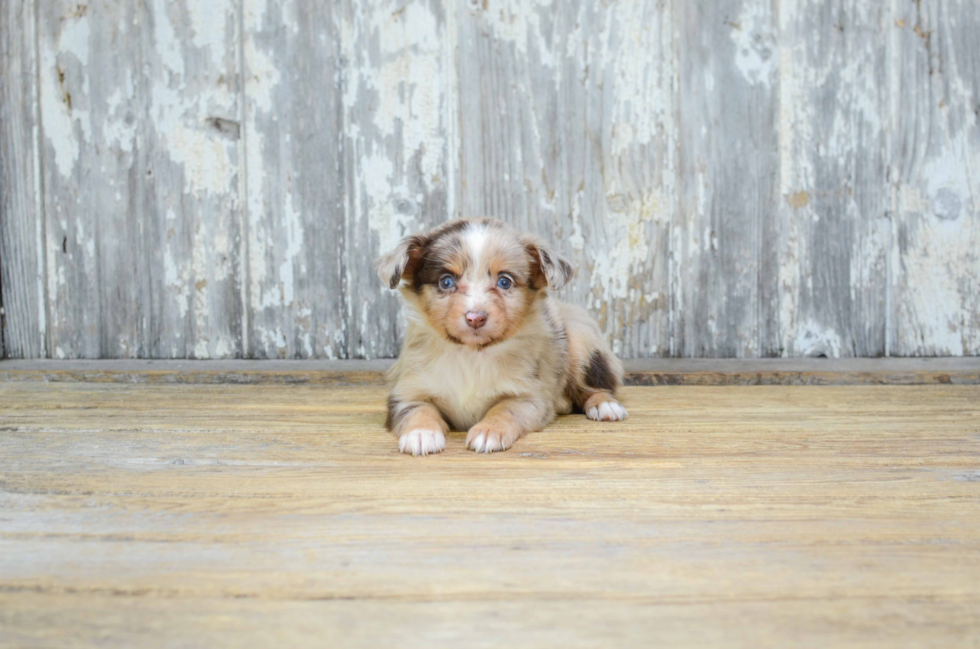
pixel 732 177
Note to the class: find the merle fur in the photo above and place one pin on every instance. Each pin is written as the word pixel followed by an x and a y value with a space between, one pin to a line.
pixel 598 374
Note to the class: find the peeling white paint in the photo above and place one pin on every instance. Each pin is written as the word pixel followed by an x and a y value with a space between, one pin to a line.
pixel 180 115
pixel 62 93
pixel 201 349
pixel 262 75
pixel 177 281
pixel 390 225
pixel 812 339
pixel 935 264
pixel 119 131
pixel 518 22
pixel 75 38
pixel 613 268
pixel 952 178
pixel 293 227
pixel 40 277
pixel 576 241
pixel 640 98
pixel 755 44
pixel 940 272
pixel 935 302
pixel 403 83
pixel 208 22
pixel 399 98
pixel 797 172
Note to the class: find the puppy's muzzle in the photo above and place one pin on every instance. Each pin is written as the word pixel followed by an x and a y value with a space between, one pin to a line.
pixel 476 319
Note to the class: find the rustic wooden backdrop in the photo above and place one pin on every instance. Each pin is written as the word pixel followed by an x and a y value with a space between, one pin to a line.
pixel 732 177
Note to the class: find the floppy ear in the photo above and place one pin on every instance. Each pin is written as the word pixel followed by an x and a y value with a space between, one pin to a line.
pixel 400 262
pixel 547 266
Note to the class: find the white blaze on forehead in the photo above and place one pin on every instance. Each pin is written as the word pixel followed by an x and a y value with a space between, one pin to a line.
pixel 475 238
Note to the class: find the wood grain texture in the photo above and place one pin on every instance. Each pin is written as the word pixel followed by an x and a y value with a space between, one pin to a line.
pixel 296 229
pixel 189 87
pixel 582 623
pixel 398 96
pixel 138 104
pixel 644 371
pixel 229 515
pixel 935 172
pixel 566 130
pixel 21 221
pixel 723 285
pixel 834 198
pixel 732 178
pixel 92 163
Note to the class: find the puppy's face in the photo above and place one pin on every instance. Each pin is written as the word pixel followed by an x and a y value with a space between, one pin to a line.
pixel 474 281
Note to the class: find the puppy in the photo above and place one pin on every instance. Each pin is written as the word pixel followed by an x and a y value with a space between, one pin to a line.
pixel 487 350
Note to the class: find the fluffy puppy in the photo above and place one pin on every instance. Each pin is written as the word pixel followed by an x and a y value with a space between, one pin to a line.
pixel 487 350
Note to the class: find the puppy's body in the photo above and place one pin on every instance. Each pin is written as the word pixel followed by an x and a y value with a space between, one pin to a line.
pixel 487 350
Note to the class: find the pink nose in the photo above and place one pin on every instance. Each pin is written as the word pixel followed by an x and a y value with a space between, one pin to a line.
pixel 476 319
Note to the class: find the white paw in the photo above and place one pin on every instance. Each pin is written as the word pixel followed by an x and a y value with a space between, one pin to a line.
pixel 422 442
pixel 484 443
pixel 607 411
pixel 483 440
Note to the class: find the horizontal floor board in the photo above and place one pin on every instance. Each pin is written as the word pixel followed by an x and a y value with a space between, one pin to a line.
pixel 230 514
pixel 775 371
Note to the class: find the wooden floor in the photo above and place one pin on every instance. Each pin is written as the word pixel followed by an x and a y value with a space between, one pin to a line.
pixel 274 515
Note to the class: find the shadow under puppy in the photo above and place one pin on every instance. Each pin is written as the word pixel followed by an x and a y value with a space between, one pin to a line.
pixel 487 350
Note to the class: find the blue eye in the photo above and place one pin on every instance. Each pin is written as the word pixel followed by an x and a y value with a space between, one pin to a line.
pixel 447 282
pixel 505 283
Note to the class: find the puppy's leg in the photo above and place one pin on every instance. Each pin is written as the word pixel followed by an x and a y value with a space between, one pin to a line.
pixel 506 423
pixel 596 391
pixel 594 373
pixel 603 406
pixel 419 427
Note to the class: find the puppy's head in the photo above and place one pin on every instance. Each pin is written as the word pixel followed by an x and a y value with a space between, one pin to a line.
pixel 473 280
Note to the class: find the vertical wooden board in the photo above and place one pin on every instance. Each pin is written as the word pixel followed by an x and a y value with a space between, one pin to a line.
pixel 723 242
pixel 21 266
pixel 567 130
pixel 188 214
pixel 89 70
pixel 834 232
pixel 139 181
pixel 294 182
pixel 398 103
pixel 934 164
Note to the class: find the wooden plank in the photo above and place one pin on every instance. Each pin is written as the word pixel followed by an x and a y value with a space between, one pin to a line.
pixel 726 169
pixel 582 623
pixel 190 302
pixel 835 233
pixel 39 620
pixel 398 100
pixel 22 324
pixel 92 177
pixel 296 269
pixel 567 130
pixel 723 283
pixel 210 514
pixel 644 139
pixel 880 371
pixel 138 104
pixel 934 166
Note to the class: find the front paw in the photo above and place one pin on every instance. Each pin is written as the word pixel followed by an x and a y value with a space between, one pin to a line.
pixel 607 411
pixel 486 439
pixel 422 442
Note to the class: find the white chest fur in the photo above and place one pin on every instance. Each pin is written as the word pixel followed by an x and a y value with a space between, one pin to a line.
pixel 466 383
